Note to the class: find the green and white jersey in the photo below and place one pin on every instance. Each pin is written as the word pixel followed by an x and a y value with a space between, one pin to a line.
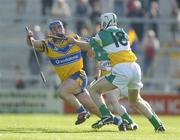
pixel 112 45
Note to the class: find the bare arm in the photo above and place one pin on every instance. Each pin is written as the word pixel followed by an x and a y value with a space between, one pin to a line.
pixel 82 44
pixel 98 71
pixel 37 44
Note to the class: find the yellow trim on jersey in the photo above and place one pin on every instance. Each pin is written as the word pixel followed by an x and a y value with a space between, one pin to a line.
pixel 104 72
pixel 122 56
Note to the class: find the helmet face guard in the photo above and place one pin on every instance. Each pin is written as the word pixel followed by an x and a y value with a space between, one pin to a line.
pixel 56 23
pixel 108 19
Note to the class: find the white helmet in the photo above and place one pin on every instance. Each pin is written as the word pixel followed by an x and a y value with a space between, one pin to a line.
pixel 108 19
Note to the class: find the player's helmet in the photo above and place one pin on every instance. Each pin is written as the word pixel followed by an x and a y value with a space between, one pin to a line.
pixel 56 23
pixel 108 19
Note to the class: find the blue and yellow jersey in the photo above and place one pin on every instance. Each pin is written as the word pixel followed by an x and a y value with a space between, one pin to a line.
pixel 133 39
pixel 132 36
pixel 66 58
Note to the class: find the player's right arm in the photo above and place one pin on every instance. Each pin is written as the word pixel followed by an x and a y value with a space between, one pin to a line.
pixel 39 45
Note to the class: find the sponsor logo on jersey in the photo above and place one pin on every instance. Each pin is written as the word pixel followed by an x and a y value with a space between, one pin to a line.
pixel 66 59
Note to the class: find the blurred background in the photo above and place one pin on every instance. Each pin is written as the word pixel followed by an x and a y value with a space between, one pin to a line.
pixel 154 33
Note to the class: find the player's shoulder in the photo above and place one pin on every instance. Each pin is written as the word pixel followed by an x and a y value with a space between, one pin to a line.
pixel 122 30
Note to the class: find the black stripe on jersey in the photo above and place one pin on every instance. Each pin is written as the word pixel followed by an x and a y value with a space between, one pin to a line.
pixel 44 47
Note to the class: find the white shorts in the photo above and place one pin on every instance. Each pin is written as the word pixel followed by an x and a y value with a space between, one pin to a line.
pixel 126 76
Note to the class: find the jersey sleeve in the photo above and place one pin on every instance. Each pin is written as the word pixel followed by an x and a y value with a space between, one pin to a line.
pixel 39 45
pixel 96 40
pixel 92 42
pixel 44 46
pixel 100 54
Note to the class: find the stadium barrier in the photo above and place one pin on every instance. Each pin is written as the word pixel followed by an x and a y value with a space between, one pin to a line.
pixel 166 104
pixel 28 101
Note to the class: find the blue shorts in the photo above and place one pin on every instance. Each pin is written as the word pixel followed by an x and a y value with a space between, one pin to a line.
pixel 81 78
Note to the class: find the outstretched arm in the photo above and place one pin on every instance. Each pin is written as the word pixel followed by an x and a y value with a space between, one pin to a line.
pixel 37 44
pixel 82 44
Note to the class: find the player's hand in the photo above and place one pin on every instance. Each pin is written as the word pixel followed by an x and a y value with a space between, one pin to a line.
pixel 96 77
pixel 100 67
pixel 29 34
pixel 71 40
pixel 90 53
pixel 97 74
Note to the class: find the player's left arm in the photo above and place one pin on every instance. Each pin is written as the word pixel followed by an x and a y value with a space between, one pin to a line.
pixel 98 71
pixel 84 45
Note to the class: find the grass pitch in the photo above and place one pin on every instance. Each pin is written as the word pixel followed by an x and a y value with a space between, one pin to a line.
pixel 61 127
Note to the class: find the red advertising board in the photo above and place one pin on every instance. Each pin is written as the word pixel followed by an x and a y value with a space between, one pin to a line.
pixel 164 104
pixel 168 104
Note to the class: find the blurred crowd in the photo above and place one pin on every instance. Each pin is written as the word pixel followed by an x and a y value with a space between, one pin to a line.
pixel 92 9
